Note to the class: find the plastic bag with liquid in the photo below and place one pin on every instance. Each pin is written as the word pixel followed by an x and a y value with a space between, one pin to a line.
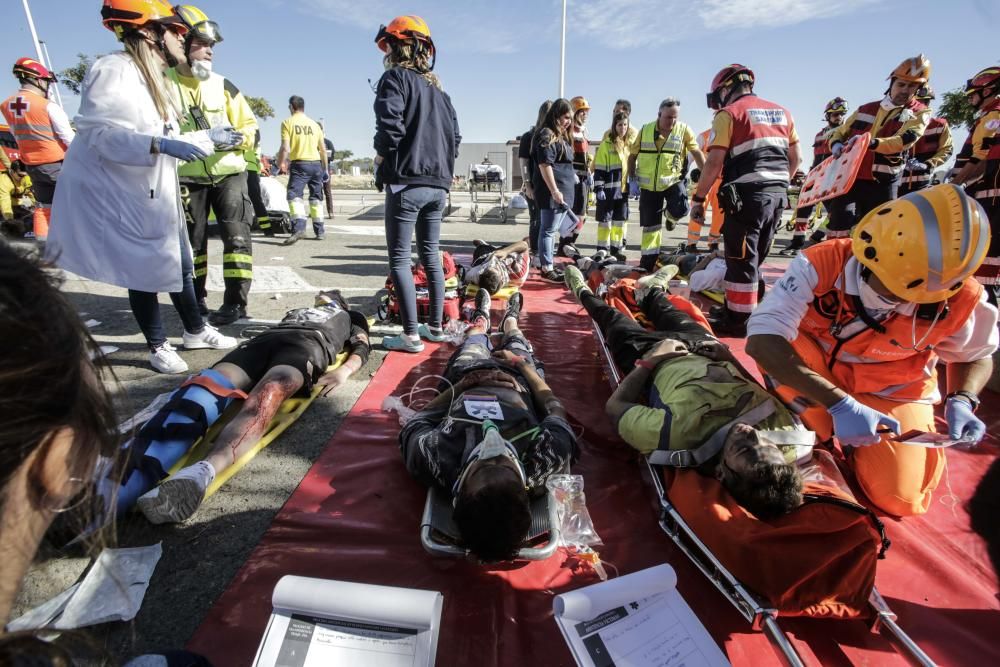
pixel 576 529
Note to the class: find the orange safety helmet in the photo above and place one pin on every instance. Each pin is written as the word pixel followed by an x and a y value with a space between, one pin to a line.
pixel 123 16
pixel 836 105
pixel 579 103
pixel 404 28
pixel 923 245
pixel 986 82
pixel 913 70
pixel 33 68
pixel 730 74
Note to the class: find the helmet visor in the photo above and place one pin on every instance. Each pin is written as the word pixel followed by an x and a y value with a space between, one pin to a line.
pixel 207 31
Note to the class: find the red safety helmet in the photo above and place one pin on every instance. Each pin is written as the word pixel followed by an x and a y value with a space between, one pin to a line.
pixel 33 68
pixel 404 28
pixel 123 16
pixel 836 105
pixel 730 74
pixel 986 83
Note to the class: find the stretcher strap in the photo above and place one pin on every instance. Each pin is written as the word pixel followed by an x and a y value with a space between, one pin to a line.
pixel 214 387
pixel 692 458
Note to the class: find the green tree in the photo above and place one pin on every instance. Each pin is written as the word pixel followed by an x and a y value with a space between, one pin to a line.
pixel 72 77
pixel 341 157
pixel 261 107
pixel 955 109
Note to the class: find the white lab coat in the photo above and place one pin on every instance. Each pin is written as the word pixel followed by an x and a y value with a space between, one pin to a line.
pixel 117 216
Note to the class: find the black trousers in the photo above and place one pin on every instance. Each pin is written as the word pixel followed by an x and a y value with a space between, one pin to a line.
pixel 257 199
pixel 230 200
pixel 628 340
pixel 748 235
pixel 847 210
pixel 534 221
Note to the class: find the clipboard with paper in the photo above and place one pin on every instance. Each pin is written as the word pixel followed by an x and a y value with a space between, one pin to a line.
pixel 637 619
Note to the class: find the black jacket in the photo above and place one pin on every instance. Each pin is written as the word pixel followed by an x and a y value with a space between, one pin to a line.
pixel 416 131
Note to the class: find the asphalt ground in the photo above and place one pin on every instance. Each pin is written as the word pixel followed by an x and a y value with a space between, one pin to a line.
pixel 201 555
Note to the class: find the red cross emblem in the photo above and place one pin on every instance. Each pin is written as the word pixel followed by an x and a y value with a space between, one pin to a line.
pixel 18 106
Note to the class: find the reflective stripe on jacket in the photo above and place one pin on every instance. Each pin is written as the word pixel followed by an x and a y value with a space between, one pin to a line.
pixel 609 163
pixel 895 130
pixel 222 105
pixel 758 146
pixel 27 115
pixel 660 168
pixel 933 149
pixel 821 145
pixel 864 361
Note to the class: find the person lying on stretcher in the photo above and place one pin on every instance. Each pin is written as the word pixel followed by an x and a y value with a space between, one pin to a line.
pixel 494 268
pixel 704 271
pixel 285 360
pixel 492 437
pixel 685 401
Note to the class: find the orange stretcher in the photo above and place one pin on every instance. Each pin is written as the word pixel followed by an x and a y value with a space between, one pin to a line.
pixel 818 561
pixel 835 176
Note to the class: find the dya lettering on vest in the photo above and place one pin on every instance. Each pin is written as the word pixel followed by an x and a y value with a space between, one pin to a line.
pixel 303 130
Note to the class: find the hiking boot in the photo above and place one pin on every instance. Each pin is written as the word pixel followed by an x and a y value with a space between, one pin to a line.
pixel 294 238
pixel 659 278
pixel 575 281
pixel 728 326
pixel 209 338
pixel 619 254
pixel 179 497
pixel 164 359
pixel 227 314
pixel 792 249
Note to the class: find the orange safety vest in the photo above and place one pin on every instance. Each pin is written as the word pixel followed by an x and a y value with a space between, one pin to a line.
pixel 863 360
pixel 881 167
pixel 28 117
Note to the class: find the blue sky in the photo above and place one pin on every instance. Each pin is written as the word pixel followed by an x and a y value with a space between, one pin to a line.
pixel 499 60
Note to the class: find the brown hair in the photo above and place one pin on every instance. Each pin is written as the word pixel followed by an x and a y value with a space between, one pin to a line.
pixel 616 141
pixel 412 54
pixel 550 132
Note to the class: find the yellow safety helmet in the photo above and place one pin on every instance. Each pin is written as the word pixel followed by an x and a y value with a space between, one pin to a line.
pixel 579 103
pixel 924 245
pixel 199 25
pixel 914 70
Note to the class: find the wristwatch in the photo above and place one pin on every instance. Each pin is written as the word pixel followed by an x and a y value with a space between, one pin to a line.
pixel 968 395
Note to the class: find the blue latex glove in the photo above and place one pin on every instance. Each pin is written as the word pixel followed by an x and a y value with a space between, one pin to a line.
pixel 837 149
pixel 916 166
pixel 326 176
pixel 963 425
pixel 856 425
pixel 633 187
pixel 225 137
pixel 601 196
pixel 617 193
pixel 181 150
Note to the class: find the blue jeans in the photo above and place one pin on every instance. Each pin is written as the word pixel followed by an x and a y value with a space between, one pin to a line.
pixel 416 207
pixel 146 307
pixel 548 228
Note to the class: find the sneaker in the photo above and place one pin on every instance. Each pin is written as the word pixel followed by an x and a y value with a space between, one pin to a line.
pixel 600 255
pixel 618 271
pixel 659 279
pixel 728 326
pixel 434 335
pixel 619 254
pixel 203 307
pixel 552 276
pixel 164 359
pixel 689 248
pixel 177 498
pixel 514 305
pixel 402 343
pixel 227 314
pixel 208 338
pixel 294 238
pixel 483 302
pixel 568 250
pixel 575 281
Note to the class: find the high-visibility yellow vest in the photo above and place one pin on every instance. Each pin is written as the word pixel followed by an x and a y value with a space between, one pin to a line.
pixel 210 97
pixel 660 168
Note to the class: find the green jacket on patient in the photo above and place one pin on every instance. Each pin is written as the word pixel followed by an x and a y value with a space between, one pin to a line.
pixel 690 398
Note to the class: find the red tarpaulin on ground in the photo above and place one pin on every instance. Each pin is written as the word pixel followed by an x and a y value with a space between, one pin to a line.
pixel 356 517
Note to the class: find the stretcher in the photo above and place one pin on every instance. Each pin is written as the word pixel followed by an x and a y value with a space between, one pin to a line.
pixel 759 612
pixel 487 177
pixel 440 537
pixel 835 176
pixel 288 412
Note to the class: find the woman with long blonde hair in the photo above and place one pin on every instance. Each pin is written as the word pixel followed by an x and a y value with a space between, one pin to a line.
pixel 117 215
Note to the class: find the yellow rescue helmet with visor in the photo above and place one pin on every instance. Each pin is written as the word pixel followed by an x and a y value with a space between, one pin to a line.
pixel 198 24
pixel 924 245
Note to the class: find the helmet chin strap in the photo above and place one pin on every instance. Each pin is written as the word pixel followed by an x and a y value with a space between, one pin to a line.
pixel 161 44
